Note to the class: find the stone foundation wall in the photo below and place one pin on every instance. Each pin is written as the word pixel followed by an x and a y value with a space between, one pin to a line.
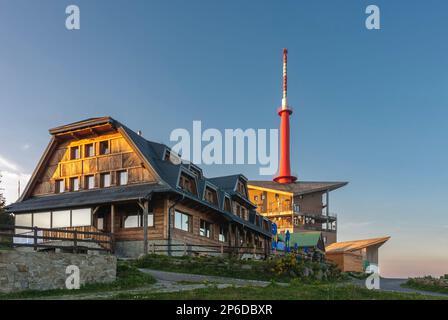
pixel 45 270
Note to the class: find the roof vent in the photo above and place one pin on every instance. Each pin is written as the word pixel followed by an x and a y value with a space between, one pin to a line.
pixel 139 132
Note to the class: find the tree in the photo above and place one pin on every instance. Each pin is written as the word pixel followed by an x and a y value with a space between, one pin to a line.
pixel 5 218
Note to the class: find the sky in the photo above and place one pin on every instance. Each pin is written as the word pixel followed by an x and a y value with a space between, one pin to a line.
pixel 370 106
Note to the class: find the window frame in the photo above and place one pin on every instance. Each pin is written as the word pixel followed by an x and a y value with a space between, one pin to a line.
pixel 102 175
pixel 182 223
pixel 207 233
pixel 88 154
pixel 71 185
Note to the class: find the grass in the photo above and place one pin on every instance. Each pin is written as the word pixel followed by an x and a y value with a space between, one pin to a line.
pixel 128 277
pixel 427 284
pixel 275 270
pixel 276 292
pixel 211 266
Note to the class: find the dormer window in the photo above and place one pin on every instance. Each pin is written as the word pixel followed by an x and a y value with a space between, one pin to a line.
pixel 211 196
pixel 227 204
pixel 187 183
pixel 241 188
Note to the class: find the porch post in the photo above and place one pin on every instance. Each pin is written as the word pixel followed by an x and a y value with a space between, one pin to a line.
pixel 145 227
pixel 112 218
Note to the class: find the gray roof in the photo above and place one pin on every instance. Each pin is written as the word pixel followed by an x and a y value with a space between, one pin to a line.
pixel 85 198
pixel 299 187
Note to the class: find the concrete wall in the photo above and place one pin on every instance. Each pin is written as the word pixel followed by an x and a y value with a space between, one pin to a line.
pixel 44 270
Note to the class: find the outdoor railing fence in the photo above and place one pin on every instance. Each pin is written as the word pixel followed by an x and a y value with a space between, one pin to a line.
pixel 78 238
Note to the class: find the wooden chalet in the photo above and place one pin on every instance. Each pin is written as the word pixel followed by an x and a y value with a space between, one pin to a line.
pixel 100 176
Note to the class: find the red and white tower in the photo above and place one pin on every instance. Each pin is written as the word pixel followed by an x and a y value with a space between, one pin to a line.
pixel 284 112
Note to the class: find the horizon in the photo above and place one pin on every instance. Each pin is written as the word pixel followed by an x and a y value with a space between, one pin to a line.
pixel 368 109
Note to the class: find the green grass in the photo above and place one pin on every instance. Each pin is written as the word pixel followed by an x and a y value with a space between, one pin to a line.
pixel 224 267
pixel 426 284
pixel 276 292
pixel 128 277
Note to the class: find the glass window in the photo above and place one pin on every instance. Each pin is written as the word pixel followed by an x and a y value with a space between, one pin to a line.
pixel 42 220
pixel 74 153
pixel 81 217
pixel 133 221
pixel 59 186
pixel 122 178
pixel 24 220
pixel 105 180
pixel 104 147
pixel 89 150
pixel 182 221
pixel 100 224
pixel 204 230
pixel 61 219
pixel 222 234
pixel 89 182
pixel 150 219
pixel 74 184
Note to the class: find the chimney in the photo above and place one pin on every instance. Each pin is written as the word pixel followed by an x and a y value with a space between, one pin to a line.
pixel 284 112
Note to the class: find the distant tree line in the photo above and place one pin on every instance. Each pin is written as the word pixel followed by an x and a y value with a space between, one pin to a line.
pixel 5 218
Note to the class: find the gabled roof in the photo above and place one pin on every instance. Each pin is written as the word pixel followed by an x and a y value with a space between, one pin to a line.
pixel 299 187
pixel 349 246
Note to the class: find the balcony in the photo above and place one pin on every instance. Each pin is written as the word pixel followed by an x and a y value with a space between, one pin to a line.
pixel 286 209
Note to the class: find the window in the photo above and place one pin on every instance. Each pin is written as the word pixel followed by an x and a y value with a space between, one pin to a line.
pixel 182 221
pixel 222 234
pixel 255 198
pixel 227 204
pixel 74 153
pixel 211 196
pixel 187 183
pixel 136 220
pixel 59 186
pixel 133 221
pixel 100 224
pixel 81 217
pixel 23 220
pixel 42 220
pixel 105 180
pixel 74 184
pixel 61 219
pixel 104 147
pixel 89 150
pixel 122 177
pixel 89 182
pixel 204 230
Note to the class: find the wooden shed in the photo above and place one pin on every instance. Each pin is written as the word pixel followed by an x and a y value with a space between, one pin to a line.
pixel 355 255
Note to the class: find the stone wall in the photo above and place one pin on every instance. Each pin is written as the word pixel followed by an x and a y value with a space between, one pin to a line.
pixel 45 270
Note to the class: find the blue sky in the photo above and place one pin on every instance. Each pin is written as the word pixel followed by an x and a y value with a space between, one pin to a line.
pixel 370 106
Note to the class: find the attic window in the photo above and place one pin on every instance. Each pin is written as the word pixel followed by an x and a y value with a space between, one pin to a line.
pixel 211 196
pixel 187 183
pixel 241 188
pixel 104 147
pixel 74 153
pixel 89 150
pixel 172 157
pixel 227 204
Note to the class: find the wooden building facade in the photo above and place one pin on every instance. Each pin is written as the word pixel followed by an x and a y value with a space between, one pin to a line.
pixel 298 207
pixel 99 174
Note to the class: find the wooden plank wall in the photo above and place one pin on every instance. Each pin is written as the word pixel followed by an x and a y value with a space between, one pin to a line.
pixel 121 157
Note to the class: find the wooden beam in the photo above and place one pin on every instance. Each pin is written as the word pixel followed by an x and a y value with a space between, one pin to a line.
pixel 112 218
pixel 145 226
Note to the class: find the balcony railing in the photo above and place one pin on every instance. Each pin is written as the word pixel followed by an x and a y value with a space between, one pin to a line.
pixel 286 208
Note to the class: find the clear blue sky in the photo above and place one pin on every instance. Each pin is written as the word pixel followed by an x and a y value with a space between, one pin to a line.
pixel 370 106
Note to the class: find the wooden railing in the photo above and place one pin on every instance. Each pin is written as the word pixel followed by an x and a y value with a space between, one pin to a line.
pixel 73 238
pixel 188 249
